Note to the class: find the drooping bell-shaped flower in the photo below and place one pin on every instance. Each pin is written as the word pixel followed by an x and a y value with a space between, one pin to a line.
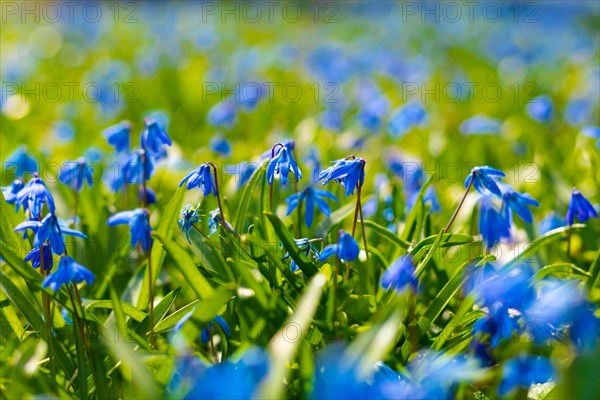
pixel 580 207
pixel 33 196
pixel 201 177
pixel 75 173
pixel 139 226
pixel 68 271
pixel 346 248
pixel 312 198
pixel 349 172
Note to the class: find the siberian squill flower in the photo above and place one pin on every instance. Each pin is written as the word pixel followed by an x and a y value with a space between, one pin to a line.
pixel 188 217
pixel 154 138
pixel 484 178
pixel 51 230
pixel 306 247
pixel 540 108
pixel 579 207
pixel 281 164
pixel 74 173
pixel 517 202
pixel 312 198
pixel 493 226
pixel 118 136
pixel 21 161
pixel 202 178
pixel 346 248
pixel 400 274
pixel 33 196
pixel 36 260
pixel 68 271
pixel 523 371
pixel 239 379
pixel 349 172
pixel 10 192
pixel 551 221
pixel 139 226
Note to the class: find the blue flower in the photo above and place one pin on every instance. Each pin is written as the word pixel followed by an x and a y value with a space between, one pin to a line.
pixel 21 161
pixel 189 216
pixel 153 139
pixel 219 144
pixel 593 132
pixel 498 323
pixel 282 163
pixel 349 172
pixel 222 114
pixel 578 111
pixel 432 375
pixel 493 226
pixel 540 108
pixel 193 379
pixel 149 193
pixel 405 117
pixel 333 118
pixel 305 246
pixel 34 257
pixel 139 226
pixel 400 274
pixel 34 195
pixel 119 136
pixel 430 197
pixel 523 371
pixel 580 207
pixel 74 173
pixel 201 177
pixel 68 271
pixel 550 222
pixel 337 377
pixel 246 172
pixel 480 125
pixel 346 248
pixel 559 305
pixel 10 192
pixel 137 168
pixel 207 331
pixel 311 197
pixel 483 178
pixel 507 286
pixel 51 230
pixel 516 202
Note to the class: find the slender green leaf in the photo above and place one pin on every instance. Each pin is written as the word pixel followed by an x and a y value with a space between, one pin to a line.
pixel 186 265
pixel 563 270
pixel 22 301
pixel 416 215
pixel 159 312
pixel 170 321
pixel 127 308
pixel 444 296
pixel 543 240
pixel 288 338
pixel 255 179
pixel 387 234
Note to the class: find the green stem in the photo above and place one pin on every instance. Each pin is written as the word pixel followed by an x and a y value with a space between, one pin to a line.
pixel 458 207
pixel 46 304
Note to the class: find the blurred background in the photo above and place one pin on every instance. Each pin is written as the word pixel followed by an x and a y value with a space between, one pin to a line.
pixel 445 84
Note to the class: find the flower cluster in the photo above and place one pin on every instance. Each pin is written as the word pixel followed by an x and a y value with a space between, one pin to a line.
pixel 48 232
